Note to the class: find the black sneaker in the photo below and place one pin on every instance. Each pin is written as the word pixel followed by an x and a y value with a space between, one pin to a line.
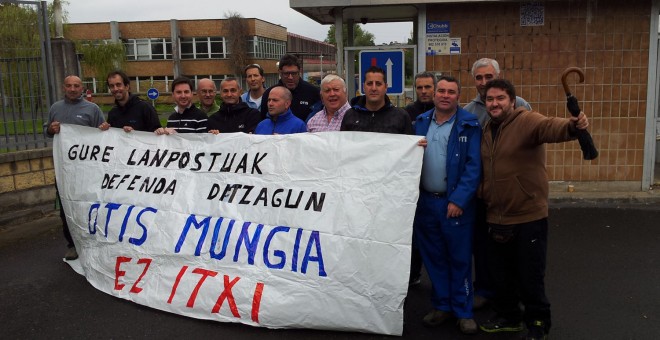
pixel 536 331
pixel 501 325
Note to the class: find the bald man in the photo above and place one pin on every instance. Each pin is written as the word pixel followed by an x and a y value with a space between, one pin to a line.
pixel 73 109
pixel 280 119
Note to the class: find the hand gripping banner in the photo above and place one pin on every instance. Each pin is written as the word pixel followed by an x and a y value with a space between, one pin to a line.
pixel 287 231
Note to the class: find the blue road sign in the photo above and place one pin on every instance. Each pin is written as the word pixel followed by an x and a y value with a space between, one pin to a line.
pixel 391 61
pixel 152 93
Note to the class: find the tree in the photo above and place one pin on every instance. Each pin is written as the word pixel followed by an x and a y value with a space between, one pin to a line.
pixel 409 59
pixel 362 37
pixel 20 56
pixel 237 42
pixel 102 57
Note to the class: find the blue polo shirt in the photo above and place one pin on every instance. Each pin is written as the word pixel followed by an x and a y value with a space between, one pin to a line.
pixel 434 168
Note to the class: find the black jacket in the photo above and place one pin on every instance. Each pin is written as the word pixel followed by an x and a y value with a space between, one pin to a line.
pixel 305 103
pixel 387 119
pixel 137 113
pixel 417 108
pixel 235 118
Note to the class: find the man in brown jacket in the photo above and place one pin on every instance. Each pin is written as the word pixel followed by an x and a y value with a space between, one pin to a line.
pixel 515 190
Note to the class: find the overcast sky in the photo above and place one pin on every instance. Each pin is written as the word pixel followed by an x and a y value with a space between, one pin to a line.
pixel 274 11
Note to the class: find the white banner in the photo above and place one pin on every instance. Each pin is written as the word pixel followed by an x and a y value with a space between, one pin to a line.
pixel 286 231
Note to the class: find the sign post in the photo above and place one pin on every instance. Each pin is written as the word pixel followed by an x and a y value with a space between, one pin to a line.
pixel 153 94
pixel 392 62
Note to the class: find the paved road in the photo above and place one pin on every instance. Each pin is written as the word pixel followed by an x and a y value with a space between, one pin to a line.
pixel 603 281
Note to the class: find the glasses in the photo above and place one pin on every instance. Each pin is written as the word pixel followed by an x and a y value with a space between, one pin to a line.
pixel 289 74
pixel 207 91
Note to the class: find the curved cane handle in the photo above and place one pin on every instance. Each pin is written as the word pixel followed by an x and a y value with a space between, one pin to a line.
pixel 564 75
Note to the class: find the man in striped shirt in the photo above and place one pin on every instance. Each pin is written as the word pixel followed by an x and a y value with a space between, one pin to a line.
pixel 186 117
pixel 335 104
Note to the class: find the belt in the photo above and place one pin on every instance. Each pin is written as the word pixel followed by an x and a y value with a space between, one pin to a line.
pixel 437 194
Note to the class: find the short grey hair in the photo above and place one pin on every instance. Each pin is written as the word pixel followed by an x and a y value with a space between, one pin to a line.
pixel 228 79
pixel 486 62
pixel 332 77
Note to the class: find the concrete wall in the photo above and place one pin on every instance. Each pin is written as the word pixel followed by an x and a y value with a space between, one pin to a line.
pixel 608 40
pixel 27 179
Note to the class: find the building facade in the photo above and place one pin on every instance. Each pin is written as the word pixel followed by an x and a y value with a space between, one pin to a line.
pixel 158 51
pixel 616 45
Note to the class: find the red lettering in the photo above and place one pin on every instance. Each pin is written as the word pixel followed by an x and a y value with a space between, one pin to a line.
pixel 229 296
pixel 256 301
pixel 120 273
pixel 205 273
pixel 147 262
pixel 176 283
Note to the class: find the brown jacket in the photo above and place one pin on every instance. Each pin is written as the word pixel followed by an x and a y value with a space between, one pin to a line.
pixel 515 181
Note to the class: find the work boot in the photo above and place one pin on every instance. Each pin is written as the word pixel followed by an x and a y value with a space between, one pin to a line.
pixel 468 326
pixel 71 254
pixel 436 318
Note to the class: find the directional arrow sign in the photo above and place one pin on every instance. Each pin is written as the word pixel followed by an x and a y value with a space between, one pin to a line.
pixel 391 61
pixel 152 93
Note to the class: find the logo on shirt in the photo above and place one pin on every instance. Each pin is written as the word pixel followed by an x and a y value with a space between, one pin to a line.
pixel 462 139
pixel 302 102
pixel 241 126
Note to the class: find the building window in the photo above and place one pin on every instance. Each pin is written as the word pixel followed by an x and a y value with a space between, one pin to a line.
pixel 217 78
pixel 203 48
pixel 90 84
pixel 148 49
pixel 143 83
pixel 266 48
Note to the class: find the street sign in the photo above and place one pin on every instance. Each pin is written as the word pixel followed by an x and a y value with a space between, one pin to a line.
pixel 391 61
pixel 152 93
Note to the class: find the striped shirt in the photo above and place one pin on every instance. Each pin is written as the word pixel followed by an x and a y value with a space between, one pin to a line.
pixel 191 120
pixel 319 122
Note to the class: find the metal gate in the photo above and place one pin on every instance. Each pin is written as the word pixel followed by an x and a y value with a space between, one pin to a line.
pixel 25 70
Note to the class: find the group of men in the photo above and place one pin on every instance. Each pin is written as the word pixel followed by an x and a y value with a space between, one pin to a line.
pixel 477 199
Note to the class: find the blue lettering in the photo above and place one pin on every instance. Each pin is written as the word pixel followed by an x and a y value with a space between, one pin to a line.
pixel 93 207
pixel 214 241
pixel 110 207
pixel 192 220
pixel 277 253
pixel 250 245
pixel 314 240
pixel 140 241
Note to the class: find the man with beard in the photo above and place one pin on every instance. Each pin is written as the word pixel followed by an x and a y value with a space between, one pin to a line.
pixel 483 70
pixel 130 112
pixel 515 191
pixel 234 114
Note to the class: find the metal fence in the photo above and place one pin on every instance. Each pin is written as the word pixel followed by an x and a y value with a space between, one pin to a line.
pixel 24 95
